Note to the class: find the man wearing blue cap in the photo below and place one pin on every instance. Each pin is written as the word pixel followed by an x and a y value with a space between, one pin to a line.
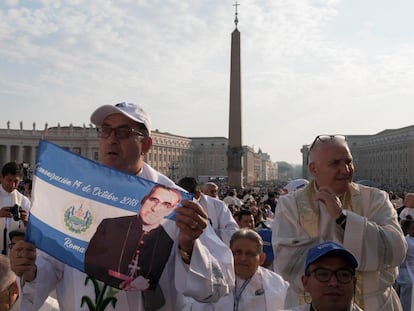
pixel 329 280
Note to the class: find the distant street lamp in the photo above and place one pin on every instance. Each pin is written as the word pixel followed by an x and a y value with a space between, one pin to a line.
pixel 173 167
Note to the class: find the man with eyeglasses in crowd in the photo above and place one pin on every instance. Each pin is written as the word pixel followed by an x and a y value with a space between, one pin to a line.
pixel 199 266
pixel 329 279
pixel 332 207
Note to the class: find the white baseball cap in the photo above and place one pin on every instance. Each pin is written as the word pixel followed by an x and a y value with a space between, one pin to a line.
pixel 132 111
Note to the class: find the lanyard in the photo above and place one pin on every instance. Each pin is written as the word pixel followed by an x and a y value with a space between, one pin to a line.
pixel 238 295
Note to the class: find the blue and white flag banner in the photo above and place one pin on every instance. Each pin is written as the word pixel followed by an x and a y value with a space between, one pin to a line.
pixel 72 195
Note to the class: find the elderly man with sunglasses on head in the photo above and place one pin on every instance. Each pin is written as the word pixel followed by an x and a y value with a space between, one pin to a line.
pixel 332 207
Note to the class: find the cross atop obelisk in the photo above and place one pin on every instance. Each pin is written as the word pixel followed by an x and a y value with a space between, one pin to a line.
pixel 235 147
pixel 236 19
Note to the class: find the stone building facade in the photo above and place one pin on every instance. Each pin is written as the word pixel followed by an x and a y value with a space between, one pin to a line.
pixel 210 155
pixel 174 156
pixel 21 145
pixel 171 155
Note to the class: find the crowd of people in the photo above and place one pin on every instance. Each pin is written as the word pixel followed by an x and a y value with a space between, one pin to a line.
pixel 331 245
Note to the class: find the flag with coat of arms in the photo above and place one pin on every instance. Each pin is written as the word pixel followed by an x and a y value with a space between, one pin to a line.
pixel 72 195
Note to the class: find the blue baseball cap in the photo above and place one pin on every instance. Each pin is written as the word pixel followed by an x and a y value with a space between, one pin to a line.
pixel 329 248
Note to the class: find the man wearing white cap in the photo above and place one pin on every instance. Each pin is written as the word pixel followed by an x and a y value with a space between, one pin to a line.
pixel 199 266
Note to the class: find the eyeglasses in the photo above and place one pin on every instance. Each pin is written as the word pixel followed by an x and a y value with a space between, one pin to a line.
pixel 325 138
pixel 248 254
pixel 120 132
pixel 11 245
pixel 343 276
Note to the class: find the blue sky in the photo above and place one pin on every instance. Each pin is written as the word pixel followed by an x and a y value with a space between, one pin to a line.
pixel 308 67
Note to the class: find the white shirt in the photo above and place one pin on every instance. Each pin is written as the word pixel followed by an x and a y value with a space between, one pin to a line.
pixel 266 291
pixel 229 200
pixel 220 216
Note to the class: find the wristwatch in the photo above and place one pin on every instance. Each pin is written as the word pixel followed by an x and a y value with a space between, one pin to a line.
pixel 341 220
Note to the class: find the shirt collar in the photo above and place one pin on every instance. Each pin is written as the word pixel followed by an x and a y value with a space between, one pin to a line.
pixel 4 192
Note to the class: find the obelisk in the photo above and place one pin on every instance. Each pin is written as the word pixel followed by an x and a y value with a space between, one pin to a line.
pixel 235 148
